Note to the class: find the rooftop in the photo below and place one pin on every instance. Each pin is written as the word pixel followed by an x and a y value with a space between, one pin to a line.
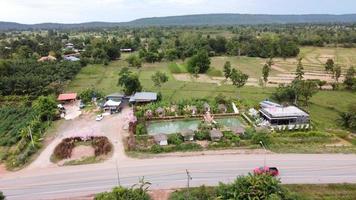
pixel 143 97
pixel 67 96
pixel 289 111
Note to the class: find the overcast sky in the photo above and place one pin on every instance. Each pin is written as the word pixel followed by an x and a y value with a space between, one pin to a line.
pixel 74 11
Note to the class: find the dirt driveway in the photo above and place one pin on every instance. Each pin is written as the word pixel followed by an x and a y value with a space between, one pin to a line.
pixel 111 126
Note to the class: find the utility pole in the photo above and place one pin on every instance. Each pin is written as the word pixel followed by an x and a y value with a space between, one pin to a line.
pixel 264 162
pixel 188 183
pixel 117 172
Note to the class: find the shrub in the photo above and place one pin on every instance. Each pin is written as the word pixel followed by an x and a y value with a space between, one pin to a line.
pixel 258 137
pixel 188 147
pixel 202 135
pixel 175 139
pixel 87 95
pixel 64 149
pixel 156 149
pixel 2 196
pixel 253 187
pixel 121 193
pixel 141 129
pixel 199 193
pixel 101 145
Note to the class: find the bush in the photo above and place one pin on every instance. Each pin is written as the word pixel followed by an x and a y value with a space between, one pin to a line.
pixel 253 187
pixel 156 149
pixel 141 129
pixel 188 147
pixel 64 149
pixel 258 137
pixel 2 196
pixel 202 135
pixel 175 139
pixel 200 193
pixel 101 145
pixel 87 95
pixel 121 193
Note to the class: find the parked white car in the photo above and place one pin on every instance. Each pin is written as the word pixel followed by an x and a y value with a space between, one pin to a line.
pixel 99 117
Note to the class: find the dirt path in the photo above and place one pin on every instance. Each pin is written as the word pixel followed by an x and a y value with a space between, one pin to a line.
pixel 111 127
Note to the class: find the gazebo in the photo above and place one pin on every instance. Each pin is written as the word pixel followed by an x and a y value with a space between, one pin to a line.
pixel 216 135
pixel 161 139
pixel 187 134
pixel 222 108
pixel 160 112
pixel 238 130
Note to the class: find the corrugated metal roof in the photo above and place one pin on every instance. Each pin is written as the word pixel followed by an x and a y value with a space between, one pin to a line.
pixel 144 96
pixel 66 97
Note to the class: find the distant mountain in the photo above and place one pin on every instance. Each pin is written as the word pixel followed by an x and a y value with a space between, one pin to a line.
pixel 193 20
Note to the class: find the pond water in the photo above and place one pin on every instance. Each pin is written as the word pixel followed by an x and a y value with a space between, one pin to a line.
pixel 176 126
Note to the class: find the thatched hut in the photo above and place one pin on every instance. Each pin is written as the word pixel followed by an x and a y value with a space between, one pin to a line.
pixel 148 114
pixel 187 134
pixel 222 108
pixel 206 107
pixel 161 139
pixel 160 112
pixel 238 130
pixel 216 135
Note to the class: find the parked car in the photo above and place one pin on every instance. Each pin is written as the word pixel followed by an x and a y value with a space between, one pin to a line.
pixel 81 105
pixel 99 117
pixel 273 171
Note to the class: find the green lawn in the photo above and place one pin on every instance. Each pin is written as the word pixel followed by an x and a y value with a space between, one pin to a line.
pixel 324 107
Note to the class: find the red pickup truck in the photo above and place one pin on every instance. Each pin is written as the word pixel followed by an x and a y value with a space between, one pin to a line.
pixel 273 171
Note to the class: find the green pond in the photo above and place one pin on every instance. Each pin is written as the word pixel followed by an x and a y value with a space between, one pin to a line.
pixel 176 126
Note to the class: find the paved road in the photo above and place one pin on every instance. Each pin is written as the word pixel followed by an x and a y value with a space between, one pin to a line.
pixel 169 172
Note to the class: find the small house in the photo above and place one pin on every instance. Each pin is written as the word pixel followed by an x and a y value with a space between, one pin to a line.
pixel 67 97
pixel 206 107
pixel 112 106
pixel 222 108
pixel 276 115
pixel 161 139
pixel 115 97
pixel 216 135
pixel 187 134
pixel 143 97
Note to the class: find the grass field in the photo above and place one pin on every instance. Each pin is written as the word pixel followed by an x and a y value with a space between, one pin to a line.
pixel 325 192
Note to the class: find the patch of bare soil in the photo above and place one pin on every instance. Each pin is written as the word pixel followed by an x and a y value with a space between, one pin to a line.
pixel 324 57
pixel 204 144
pixel 82 151
pixel 79 152
pixel 3 170
pixel 340 143
pixel 160 194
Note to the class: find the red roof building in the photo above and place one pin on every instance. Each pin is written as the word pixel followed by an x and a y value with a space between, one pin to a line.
pixel 67 97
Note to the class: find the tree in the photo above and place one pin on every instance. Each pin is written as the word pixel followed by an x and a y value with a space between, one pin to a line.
pixel 284 94
pixel 159 78
pixel 227 69
pixel 305 89
pixel 238 78
pixel 2 196
pixel 129 81
pixel 199 63
pixel 348 118
pixel 299 72
pixel 337 72
pixel 45 107
pixel 350 80
pixel 88 94
pixel 265 72
pixel 134 61
pixel 329 65
pixel 262 186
